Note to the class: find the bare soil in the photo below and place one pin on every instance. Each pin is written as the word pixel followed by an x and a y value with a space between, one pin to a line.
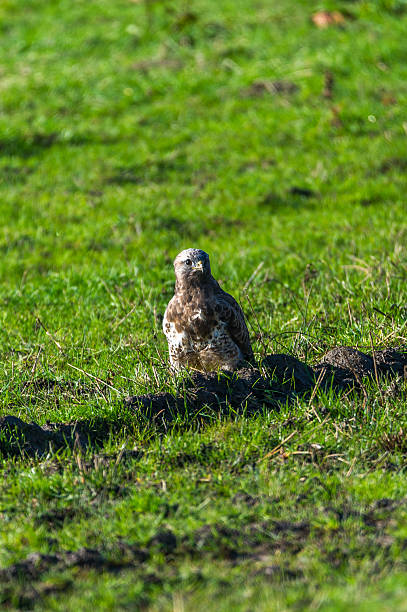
pixel 279 379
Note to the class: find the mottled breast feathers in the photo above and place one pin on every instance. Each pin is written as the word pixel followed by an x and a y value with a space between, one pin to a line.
pixel 204 325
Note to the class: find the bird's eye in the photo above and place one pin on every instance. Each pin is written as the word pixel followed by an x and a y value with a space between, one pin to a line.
pixel 188 262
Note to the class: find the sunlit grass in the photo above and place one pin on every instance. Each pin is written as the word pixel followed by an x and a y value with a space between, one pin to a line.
pixel 132 130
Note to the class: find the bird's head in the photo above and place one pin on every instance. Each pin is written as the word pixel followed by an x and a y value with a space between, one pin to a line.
pixel 192 265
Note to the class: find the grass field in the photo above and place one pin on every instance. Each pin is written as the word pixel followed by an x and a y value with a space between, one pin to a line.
pixel 130 130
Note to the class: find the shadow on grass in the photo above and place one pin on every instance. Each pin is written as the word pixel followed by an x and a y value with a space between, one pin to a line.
pixel 296 197
pixel 34 144
pixel 18 438
pixel 281 379
pixel 205 397
pixel 264 548
pixel 156 171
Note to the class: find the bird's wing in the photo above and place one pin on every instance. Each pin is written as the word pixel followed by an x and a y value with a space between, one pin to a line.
pixel 230 312
pixel 165 319
pixel 170 314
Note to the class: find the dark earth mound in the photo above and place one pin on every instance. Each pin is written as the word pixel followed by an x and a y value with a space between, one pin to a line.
pixel 279 379
pixel 20 438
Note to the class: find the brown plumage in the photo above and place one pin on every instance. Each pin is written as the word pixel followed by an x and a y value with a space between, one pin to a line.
pixel 204 325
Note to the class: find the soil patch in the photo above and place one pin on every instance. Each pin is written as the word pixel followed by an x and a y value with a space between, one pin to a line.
pixel 280 379
pixel 20 438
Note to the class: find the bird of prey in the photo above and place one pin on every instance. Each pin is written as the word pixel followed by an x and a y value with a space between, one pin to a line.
pixel 204 325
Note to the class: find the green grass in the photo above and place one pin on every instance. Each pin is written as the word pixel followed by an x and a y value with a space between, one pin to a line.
pixel 132 130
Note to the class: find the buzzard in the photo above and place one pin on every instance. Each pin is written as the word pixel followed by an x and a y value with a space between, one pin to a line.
pixel 204 325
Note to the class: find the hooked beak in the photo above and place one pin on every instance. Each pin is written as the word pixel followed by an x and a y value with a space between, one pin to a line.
pixel 198 266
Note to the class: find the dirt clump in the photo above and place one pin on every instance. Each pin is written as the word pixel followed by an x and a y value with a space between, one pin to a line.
pixel 289 371
pixel 348 358
pixel 392 361
pixel 36 564
pixel 244 390
pixel 156 406
pixel 280 379
pixel 345 367
pixel 20 438
pixel 164 540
